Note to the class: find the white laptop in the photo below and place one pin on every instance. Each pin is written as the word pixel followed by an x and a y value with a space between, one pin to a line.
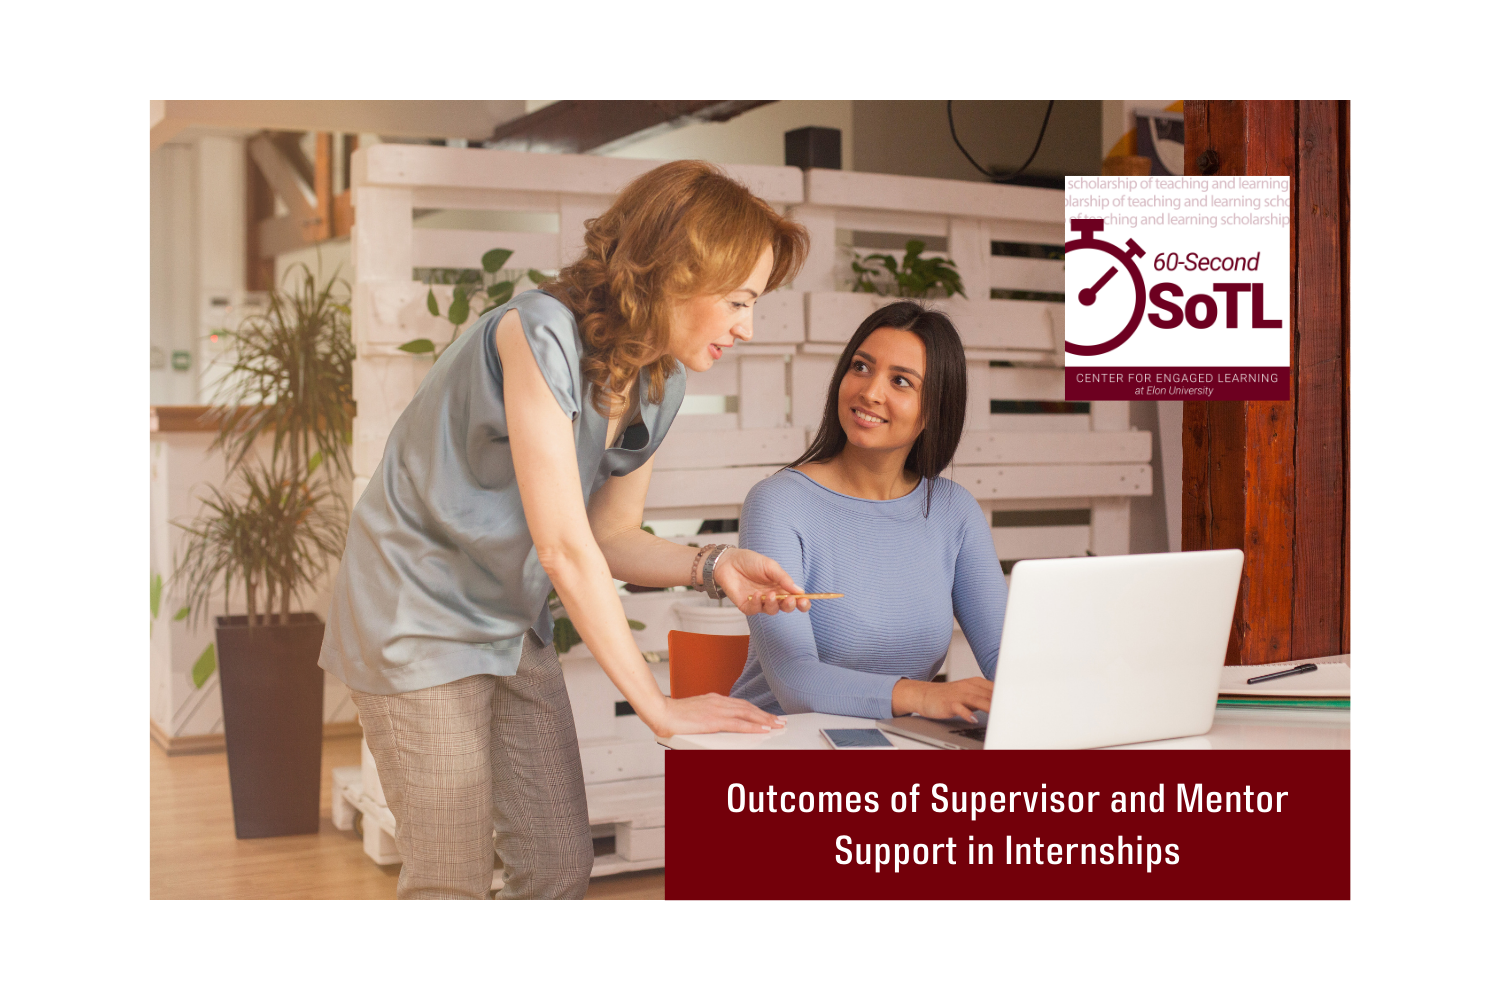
pixel 1102 651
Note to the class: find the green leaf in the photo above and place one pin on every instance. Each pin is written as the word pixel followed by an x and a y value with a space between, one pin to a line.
pixel 636 626
pixel 419 346
pixel 494 260
pixel 182 613
pixel 314 462
pixel 432 305
pixel 501 291
pixel 564 635
pixel 204 668
pixel 648 530
pixel 537 277
pixel 155 595
pixel 459 310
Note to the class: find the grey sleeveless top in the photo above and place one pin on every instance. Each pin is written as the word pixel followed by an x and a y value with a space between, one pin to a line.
pixel 440 579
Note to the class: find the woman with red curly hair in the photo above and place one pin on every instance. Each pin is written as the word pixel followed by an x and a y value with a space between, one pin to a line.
pixel 521 465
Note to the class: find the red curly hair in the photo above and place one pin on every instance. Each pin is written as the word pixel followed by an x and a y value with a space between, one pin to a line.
pixel 680 230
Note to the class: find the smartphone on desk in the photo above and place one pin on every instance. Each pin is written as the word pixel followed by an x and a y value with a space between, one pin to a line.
pixel 857 739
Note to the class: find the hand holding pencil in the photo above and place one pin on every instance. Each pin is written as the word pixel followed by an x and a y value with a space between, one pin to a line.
pixel 758 585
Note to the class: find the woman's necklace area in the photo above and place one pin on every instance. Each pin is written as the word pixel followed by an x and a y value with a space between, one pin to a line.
pixel 619 425
pixel 832 475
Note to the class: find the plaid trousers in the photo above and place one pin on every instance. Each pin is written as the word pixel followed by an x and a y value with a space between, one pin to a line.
pixel 481 765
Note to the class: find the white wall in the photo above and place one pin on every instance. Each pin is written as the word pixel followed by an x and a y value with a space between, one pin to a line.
pixel 174 276
pixel 197 258
pixel 755 137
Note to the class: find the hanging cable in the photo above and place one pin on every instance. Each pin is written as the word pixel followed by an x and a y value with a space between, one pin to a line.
pixel 996 177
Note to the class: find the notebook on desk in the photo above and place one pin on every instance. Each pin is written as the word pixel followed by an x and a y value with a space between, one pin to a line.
pixel 1330 680
pixel 1103 651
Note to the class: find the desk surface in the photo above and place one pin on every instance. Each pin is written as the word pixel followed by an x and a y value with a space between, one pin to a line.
pixel 1234 729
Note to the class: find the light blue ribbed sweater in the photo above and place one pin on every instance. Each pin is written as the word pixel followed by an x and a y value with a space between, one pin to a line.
pixel 905 578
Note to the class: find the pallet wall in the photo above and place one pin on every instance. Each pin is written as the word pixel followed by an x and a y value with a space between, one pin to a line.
pixel 1055 478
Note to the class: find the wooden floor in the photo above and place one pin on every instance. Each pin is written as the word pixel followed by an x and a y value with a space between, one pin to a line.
pixel 194 854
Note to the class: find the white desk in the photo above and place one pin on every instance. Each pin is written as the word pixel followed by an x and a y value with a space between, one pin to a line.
pixel 1234 729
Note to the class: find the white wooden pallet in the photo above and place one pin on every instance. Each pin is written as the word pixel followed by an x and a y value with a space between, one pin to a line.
pixel 633 812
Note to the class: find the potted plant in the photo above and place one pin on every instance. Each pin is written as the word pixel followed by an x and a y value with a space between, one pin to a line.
pixel 268 536
pixel 915 277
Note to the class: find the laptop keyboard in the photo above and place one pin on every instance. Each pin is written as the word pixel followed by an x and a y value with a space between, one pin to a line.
pixel 977 733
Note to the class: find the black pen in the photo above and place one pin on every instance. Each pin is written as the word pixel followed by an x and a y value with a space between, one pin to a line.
pixel 1305 668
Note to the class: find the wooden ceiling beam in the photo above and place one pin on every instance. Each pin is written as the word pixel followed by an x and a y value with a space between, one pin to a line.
pixel 596 126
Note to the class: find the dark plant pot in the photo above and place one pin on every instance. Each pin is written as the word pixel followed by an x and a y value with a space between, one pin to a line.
pixel 273 723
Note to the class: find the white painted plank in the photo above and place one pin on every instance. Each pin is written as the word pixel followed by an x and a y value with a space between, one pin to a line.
pixel 1045 542
pixel 724 449
pixel 970 253
pixel 484 200
pixel 573 210
pixel 977 409
pixel 640 843
pixel 780 318
pixel 390 313
pixel 1110 415
pixel 901 223
pixel 1027 273
pixel 1111 524
pixel 464 248
pixel 763 392
pixel 1049 233
pixel 591 694
pixel 617 760
pixel 890 192
pixel 701 512
pixel 820 272
pixel 1003 481
pixel 811 375
pixel 1018 383
pixel 723 379
pixel 382 239
pixel 999 448
pixel 717 487
pixel 705 422
pixel 640 801
pixel 1043 423
pixel 832 317
pixel 402 165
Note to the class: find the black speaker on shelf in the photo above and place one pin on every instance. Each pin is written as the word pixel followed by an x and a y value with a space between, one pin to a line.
pixel 815 147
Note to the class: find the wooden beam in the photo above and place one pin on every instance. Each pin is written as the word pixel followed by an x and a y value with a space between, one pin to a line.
pixel 283 176
pixel 1319 562
pixel 304 186
pixel 1270 477
pixel 260 204
pixel 474 120
pixel 590 126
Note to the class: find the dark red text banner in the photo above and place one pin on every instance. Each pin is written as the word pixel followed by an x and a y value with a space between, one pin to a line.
pixel 1099 384
pixel 1266 824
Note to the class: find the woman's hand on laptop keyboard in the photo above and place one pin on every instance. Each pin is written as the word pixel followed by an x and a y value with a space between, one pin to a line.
pixel 957 699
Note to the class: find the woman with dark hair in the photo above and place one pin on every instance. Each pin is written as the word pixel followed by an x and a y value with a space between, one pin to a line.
pixel 864 512
pixel 521 465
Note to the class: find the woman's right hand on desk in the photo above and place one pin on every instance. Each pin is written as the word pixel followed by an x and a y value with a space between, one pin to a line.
pixel 932 700
pixel 714 713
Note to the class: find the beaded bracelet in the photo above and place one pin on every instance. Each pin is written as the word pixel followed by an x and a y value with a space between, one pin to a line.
pixel 694 580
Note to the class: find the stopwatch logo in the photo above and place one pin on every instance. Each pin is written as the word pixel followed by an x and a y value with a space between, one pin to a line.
pixel 1088 296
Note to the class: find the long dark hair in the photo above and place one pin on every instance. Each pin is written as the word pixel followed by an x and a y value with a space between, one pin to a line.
pixel 945 391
